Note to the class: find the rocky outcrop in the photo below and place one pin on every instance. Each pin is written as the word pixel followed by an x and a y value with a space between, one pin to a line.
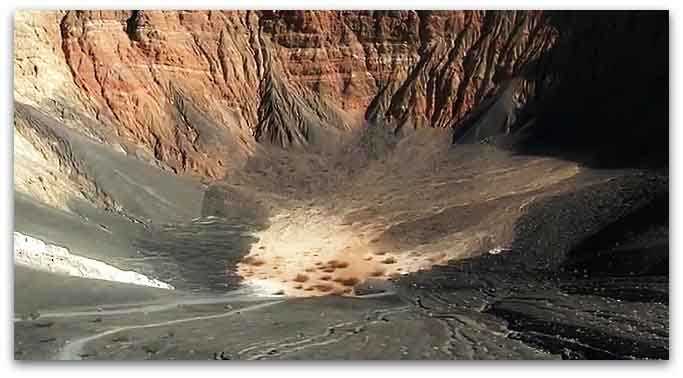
pixel 197 90
pixel 45 165
pixel 323 142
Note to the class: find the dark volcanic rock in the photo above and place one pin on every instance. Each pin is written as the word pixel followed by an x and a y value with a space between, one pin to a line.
pixel 250 157
pixel 595 300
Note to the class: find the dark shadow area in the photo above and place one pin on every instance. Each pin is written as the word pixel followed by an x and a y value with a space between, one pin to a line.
pixel 634 245
pixel 197 257
pixel 578 267
pixel 573 341
pixel 202 255
pixel 138 217
pixel 585 278
pixel 554 228
pixel 602 92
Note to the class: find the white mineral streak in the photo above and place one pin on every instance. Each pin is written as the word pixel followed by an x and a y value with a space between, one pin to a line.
pixel 36 254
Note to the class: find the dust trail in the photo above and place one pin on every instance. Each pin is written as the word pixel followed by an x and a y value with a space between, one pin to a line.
pixel 237 296
pixel 72 350
pixel 146 188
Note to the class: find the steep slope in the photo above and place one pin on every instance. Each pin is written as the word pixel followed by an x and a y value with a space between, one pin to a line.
pixel 195 90
pixel 236 155
pixel 603 90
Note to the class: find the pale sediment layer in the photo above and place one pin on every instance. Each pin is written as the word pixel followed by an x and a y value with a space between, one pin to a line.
pixel 399 224
pixel 36 254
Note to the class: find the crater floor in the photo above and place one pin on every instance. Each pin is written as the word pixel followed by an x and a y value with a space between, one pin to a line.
pixel 408 248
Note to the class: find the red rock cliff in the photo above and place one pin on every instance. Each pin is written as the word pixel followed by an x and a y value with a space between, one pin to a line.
pixel 197 91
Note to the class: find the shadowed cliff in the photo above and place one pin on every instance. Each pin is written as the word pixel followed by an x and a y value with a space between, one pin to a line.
pixel 603 89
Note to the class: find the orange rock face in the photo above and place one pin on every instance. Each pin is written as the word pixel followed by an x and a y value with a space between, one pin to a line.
pixel 199 90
